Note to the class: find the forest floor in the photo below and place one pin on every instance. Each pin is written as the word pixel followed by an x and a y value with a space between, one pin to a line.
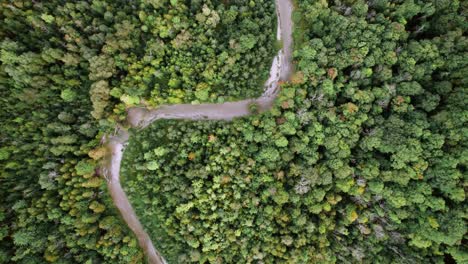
pixel 140 118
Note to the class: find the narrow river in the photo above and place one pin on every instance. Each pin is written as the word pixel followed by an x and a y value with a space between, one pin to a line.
pixel 281 69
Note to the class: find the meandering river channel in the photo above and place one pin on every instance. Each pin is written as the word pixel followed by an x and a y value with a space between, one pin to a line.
pixel 281 69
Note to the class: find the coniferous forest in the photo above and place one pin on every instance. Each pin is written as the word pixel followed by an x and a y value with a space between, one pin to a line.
pixel 361 159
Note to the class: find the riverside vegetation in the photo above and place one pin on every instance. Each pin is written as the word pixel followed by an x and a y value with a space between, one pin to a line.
pixel 361 159
pixel 69 70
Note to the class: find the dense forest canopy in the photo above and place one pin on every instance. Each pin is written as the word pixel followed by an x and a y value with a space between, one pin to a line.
pixel 68 71
pixel 362 158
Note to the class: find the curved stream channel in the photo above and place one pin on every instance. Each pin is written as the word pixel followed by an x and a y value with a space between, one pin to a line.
pixel 142 117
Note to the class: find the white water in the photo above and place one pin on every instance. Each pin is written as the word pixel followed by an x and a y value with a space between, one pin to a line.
pixel 141 117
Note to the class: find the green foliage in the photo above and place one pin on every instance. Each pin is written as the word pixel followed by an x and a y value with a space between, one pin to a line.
pixel 68 95
pixel 254 108
pixel 361 160
pixel 68 70
pixel 184 52
pixel 83 168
